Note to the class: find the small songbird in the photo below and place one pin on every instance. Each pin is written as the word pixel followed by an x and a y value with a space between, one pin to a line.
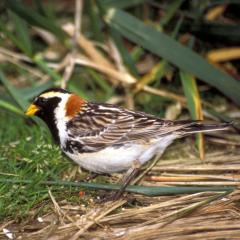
pixel 105 138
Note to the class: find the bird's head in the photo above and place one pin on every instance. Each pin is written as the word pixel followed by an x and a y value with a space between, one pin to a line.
pixel 55 101
pixel 55 106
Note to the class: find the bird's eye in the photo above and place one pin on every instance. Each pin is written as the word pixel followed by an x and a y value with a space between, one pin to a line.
pixel 41 101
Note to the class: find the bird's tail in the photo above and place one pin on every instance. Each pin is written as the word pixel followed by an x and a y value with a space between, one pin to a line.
pixel 191 127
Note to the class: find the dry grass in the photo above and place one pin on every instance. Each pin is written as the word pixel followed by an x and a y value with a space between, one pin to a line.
pixel 208 215
pixel 205 215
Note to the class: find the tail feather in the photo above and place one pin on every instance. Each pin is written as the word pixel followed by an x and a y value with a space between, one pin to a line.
pixel 199 126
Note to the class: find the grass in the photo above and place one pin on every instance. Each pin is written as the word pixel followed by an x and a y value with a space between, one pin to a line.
pixel 27 152
pixel 131 53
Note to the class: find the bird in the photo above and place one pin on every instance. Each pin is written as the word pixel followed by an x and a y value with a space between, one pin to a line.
pixel 104 138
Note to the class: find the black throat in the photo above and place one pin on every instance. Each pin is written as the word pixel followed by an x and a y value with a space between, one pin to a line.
pixel 51 123
pixel 47 115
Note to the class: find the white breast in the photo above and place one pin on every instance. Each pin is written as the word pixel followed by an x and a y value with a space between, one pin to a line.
pixel 113 159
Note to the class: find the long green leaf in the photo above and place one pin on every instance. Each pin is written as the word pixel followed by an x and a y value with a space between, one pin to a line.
pixel 95 22
pixel 10 107
pixel 173 7
pixel 224 32
pixel 159 70
pixel 13 92
pixel 38 59
pixel 11 36
pixel 194 104
pixel 148 190
pixel 166 47
pixel 127 58
pixel 31 16
pixel 192 94
pixel 22 32
pixel 101 82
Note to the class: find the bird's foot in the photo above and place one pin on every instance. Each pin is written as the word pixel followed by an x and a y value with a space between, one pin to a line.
pixel 92 176
pixel 89 177
pixel 114 196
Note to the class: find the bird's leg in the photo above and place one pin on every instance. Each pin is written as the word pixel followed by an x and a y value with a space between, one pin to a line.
pixel 129 176
pixel 92 176
pixel 125 182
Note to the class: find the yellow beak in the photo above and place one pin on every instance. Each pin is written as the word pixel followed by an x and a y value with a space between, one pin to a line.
pixel 32 110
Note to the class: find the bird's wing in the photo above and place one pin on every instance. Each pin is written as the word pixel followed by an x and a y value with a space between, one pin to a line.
pixel 102 125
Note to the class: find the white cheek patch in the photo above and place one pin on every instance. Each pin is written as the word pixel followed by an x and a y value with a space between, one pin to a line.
pixel 60 112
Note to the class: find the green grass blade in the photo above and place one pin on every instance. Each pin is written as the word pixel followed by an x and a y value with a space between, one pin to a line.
pixel 34 18
pixel 95 20
pixel 137 53
pixel 12 37
pixel 10 107
pixel 43 65
pixel 19 99
pixel 39 6
pixel 159 191
pixel 100 81
pixel 127 58
pixel 166 47
pixel 22 32
pixel 172 8
pixel 192 95
pixel 194 104
pixel 218 31
pixel 148 190
pixel 156 73
pixel 158 70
